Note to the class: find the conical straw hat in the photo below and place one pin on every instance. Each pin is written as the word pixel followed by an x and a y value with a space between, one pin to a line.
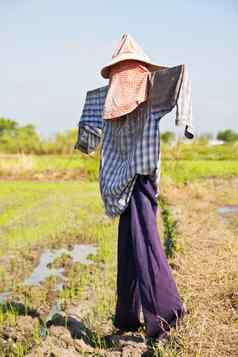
pixel 128 49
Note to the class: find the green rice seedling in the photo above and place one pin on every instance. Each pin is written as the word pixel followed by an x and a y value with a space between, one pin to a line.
pixel 1 315
pixel 11 314
pixel 20 349
pixel 36 333
pixel 170 240
pixel 184 171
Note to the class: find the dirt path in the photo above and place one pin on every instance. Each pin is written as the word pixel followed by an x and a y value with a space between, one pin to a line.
pixel 207 273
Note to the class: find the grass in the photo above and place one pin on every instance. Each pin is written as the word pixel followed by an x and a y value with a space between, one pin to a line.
pixel 25 166
pixel 185 170
pixel 35 215
pixel 47 214
pixel 206 268
pixel 200 151
pixel 183 162
pixel 32 210
pixel 169 232
pixel 90 290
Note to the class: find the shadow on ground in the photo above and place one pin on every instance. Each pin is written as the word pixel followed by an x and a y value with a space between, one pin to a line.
pixel 64 335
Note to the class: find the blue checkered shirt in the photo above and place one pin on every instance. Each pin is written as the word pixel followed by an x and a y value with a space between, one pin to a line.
pixel 130 145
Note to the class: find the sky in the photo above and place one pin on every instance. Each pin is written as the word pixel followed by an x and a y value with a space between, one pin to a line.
pixel 52 52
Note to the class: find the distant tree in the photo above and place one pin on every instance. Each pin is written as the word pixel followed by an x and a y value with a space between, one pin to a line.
pixel 227 135
pixel 15 138
pixel 27 139
pixel 8 126
pixel 167 137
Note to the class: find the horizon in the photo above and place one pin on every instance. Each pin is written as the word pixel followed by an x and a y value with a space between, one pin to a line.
pixel 52 54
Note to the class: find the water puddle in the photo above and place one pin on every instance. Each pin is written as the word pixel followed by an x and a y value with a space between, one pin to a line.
pixel 42 272
pixel 4 296
pixel 79 253
pixel 228 209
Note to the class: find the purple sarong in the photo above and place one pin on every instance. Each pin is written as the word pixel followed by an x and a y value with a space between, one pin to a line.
pixel 144 278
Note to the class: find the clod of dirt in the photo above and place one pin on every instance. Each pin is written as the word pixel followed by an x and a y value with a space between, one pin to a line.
pixel 81 346
pixel 60 343
pixel 21 333
pixel 61 262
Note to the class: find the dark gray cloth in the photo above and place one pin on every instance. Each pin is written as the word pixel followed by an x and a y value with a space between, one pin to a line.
pixel 172 87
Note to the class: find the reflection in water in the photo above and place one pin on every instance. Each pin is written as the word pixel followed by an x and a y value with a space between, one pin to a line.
pixel 4 296
pixel 79 253
pixel 228 209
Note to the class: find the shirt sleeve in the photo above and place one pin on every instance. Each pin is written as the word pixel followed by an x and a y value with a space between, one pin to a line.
pixel 88 139
pixel 90 126
pixel 184 105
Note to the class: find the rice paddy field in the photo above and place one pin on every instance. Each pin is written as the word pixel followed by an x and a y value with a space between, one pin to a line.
pixel 58 255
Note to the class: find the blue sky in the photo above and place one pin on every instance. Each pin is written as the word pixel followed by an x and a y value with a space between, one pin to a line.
pixel 52 52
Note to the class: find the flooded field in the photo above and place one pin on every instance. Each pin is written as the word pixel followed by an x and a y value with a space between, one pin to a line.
pixel 58 270
pixel 228 209
pixel 45 269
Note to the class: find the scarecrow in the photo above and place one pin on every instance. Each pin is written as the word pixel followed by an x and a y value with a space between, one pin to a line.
pixel 124 116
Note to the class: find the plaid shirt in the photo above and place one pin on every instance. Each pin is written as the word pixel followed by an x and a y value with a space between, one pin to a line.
pixel 131 145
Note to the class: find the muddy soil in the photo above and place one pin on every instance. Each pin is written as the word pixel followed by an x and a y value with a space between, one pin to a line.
pixel 205 269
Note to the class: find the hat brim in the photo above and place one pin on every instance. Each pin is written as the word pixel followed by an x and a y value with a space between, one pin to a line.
pixel 131 56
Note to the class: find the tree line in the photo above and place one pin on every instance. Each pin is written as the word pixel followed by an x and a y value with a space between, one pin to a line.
pixel 15 138
pixel 226 136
